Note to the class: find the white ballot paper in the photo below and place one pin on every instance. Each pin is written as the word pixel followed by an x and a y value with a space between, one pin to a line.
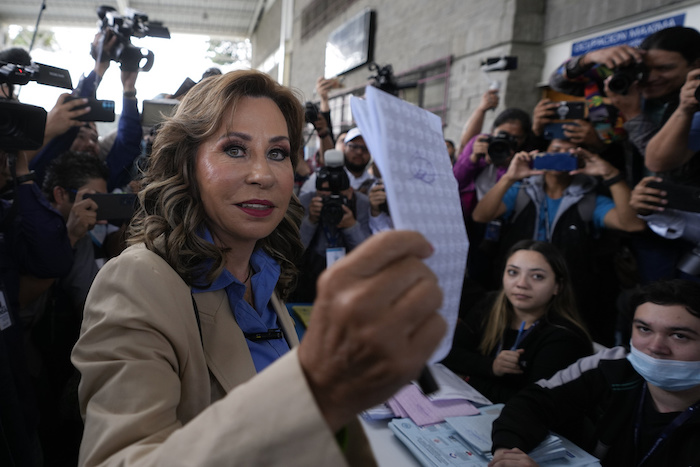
pixel 407 144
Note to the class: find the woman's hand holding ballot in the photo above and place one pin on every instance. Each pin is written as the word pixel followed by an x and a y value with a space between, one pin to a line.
pixel 374 325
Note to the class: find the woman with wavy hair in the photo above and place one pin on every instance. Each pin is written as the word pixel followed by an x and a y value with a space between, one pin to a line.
pixel 528 331
pixel 187 353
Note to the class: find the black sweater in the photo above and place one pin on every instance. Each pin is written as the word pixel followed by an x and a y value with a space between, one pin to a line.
pixel 553 344
pixel 605 390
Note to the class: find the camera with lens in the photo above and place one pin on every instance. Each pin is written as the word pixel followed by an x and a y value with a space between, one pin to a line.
pixel 501 147
pixel 311 112
pixel 332 177
pixel 133 23
pixel 623 78
pixel 386 80
pixel 22 125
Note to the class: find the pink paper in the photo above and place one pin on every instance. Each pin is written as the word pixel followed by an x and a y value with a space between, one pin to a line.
pixel 424 412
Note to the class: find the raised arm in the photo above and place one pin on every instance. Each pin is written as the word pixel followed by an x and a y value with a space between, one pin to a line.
pixel 491 205
pixel 622 216
pixel 476 121
pixel 668 149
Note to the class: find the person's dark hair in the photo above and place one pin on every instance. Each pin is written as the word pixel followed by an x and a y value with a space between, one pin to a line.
pixel 71 171
pixel 562 304
pixel 685 41
pixel 16 56
pixel 514 115
pixel 670 292
pixel 171 215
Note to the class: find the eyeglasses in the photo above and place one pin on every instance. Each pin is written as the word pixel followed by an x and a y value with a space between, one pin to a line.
pixel 358 147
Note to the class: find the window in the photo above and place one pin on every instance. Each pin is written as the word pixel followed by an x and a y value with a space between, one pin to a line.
pixel 428 87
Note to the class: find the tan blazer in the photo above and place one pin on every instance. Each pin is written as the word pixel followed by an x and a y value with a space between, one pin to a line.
pixel 152 394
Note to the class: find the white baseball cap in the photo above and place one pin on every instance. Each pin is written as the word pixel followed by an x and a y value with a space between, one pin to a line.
pixel 352 134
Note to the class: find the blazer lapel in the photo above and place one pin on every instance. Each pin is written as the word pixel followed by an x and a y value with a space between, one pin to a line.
pixel 225 347
pixel 286 321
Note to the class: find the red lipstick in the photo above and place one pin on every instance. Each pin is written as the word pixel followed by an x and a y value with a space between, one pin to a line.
pixel 256 207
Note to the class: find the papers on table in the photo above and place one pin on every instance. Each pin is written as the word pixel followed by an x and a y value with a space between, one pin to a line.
pixel 466 442
pixel 454 387
pixel 408 146
pixel 411 402
pixel 452 399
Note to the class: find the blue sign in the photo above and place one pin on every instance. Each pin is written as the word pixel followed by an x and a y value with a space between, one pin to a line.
pixel 631 36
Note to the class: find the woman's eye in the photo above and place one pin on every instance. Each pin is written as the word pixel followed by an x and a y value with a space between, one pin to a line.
pixel 278 154
pixel 235 151
pixel 538 277
pixel 643 329
pixel 511 272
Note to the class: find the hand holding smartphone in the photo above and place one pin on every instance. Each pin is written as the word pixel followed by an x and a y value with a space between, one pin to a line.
pixel 114 206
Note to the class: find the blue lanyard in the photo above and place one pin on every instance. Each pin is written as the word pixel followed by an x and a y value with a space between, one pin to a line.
pixel 522 337
pixel 331 238
pixel 547 227
pixel 666 433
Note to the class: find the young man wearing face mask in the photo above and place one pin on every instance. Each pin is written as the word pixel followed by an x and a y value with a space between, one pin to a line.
pixel 644 404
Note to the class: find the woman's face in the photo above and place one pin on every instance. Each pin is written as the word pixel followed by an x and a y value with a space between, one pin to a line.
pixel 244 173
pixel 529 281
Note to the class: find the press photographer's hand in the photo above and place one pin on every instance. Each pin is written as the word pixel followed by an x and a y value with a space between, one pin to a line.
pixel 315 208
pixel 645 199
pixel 64 115
pixel 614 57
pixel 688 100
pixel 544 113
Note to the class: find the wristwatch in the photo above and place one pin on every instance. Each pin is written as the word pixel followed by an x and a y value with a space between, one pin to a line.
pixel 30 177
pixel 611 181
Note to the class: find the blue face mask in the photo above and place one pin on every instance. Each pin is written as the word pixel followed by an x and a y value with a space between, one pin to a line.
pixel 669 375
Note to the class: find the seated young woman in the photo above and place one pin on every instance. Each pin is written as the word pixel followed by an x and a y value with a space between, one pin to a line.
pixel 527 331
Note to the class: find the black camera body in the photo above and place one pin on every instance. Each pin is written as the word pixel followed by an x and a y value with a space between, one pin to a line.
pixel 100 111
pixel 332 177
pixel 311 112
pixel 21 126
pixel 623 77
pixel 501 147
pixel 13 73
pixel 386 80
pixel 135 24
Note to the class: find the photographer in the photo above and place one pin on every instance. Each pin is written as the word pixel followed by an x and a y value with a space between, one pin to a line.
pixel 672 149
pixel 33 242
pixel 127 143
pixel 563 208
pixel 357 159
pixel 336 220
pixel 642 83
pixel 476 170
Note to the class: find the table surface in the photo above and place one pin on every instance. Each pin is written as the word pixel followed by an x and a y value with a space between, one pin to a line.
pixel 387 449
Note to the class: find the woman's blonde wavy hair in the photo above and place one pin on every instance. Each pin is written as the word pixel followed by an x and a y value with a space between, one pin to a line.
pixel 562 304
pixel 171 215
